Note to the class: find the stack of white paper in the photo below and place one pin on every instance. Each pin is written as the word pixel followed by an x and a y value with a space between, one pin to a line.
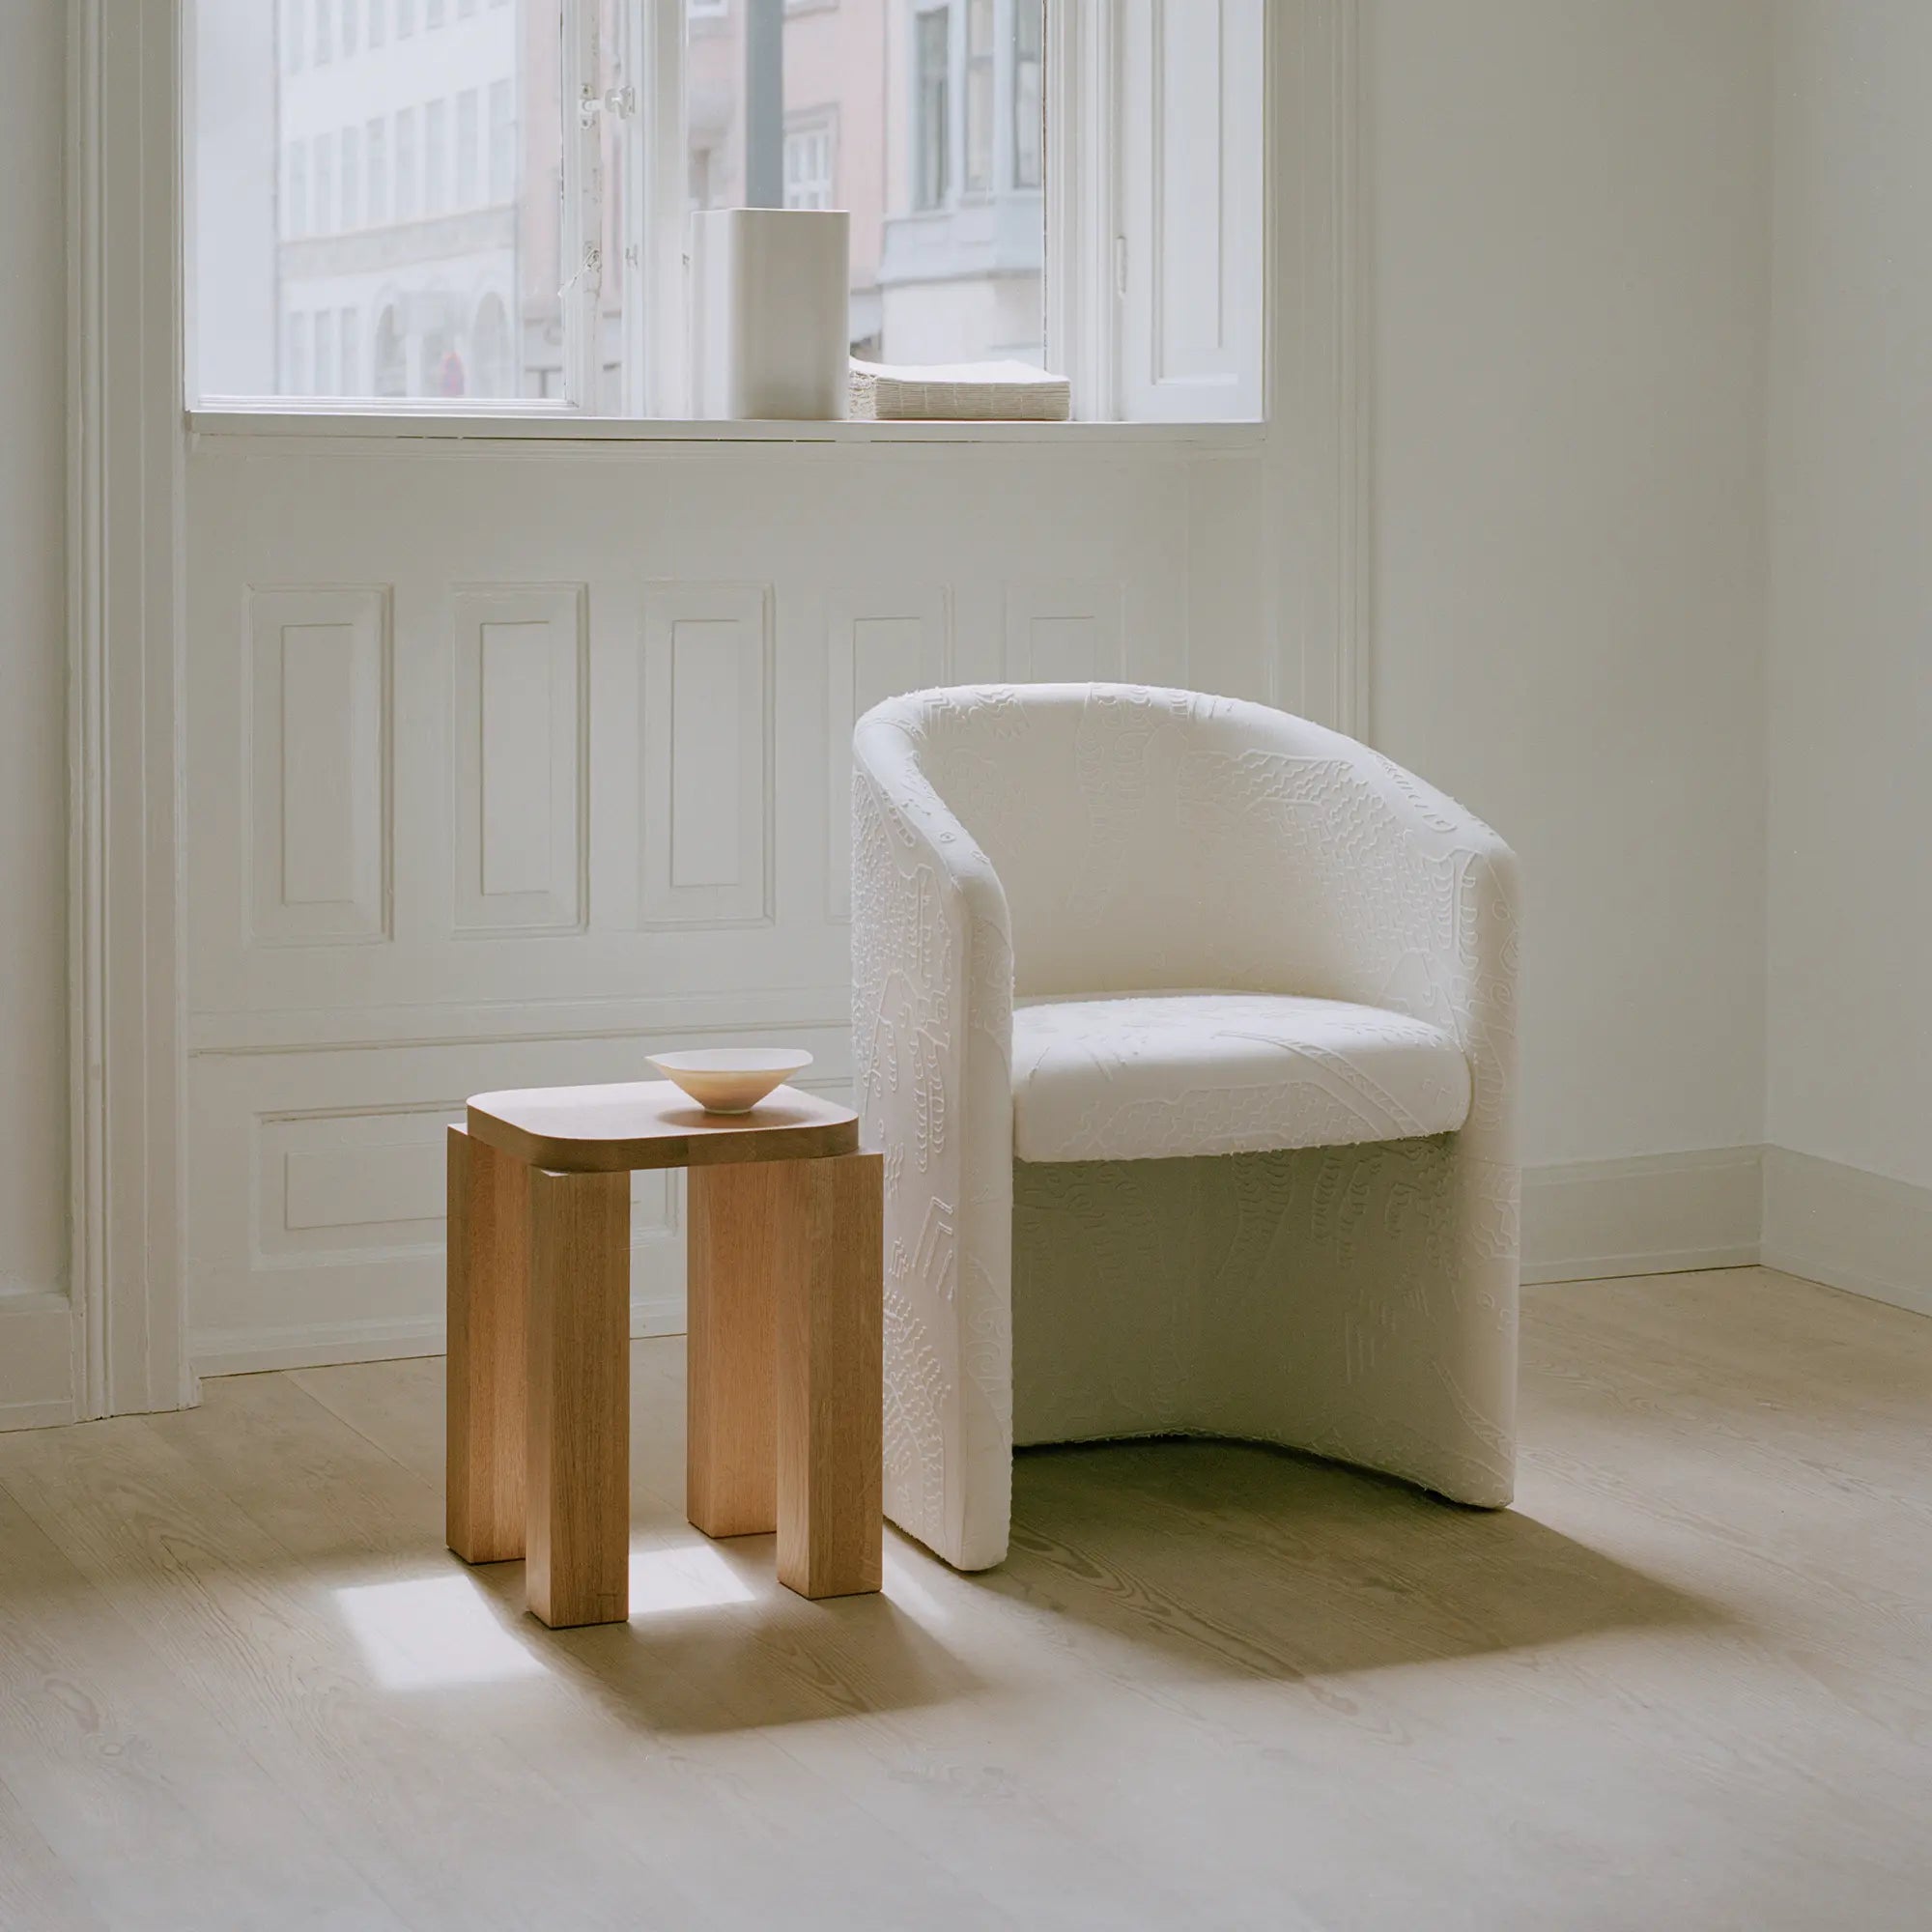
pixel 958 392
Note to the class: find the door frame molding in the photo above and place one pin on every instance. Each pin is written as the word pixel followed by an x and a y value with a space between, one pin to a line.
pixel 1321 373
pixel 126 481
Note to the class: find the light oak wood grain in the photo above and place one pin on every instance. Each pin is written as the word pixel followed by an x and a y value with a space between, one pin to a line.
pixel 577 1557
pixel 1685 1683
pixel 738 1231
pixel 646 1123
pixel 487 1263
pixel 827 1263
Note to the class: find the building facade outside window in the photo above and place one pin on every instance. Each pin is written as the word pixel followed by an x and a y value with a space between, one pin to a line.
pixel 432 177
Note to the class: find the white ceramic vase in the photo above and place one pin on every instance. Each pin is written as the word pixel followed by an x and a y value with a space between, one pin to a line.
pixel 770 334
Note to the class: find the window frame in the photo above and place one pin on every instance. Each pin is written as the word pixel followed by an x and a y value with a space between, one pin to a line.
pixel 640 79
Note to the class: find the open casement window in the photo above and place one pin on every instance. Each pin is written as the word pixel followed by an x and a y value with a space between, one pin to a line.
pixel 483 206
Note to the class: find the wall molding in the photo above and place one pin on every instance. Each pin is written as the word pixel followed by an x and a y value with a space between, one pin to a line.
pixel 1663 1213
pixel 124 503
pixel 320 1344
pixel 347 1030
pixel 1320 379
pixel 1849 1228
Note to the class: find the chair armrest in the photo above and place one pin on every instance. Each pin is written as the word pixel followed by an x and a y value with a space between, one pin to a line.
pixel 932 1046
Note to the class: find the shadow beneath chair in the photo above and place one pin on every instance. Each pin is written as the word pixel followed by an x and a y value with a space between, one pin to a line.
pixel 764 1657
pixel 1237 1558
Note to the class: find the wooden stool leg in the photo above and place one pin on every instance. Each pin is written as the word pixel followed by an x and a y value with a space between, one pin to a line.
pixel 830 1283
pixel 578 1561
pixel 488 1269
pixel 735 1215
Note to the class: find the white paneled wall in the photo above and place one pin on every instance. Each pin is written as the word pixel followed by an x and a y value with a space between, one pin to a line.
pixel 507 766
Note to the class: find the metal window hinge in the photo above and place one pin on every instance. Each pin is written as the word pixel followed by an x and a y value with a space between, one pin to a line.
pixel 1121 266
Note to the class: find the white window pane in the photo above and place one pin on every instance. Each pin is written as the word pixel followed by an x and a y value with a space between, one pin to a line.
pixel 295 357
pixel 295 191
pixel 979 96
pixel 1029 95
pixel 503 142
pixel 348 181
pixel 321 205
pixel 469 139
pixel 318 266
pixel 933 109
pixel 435 158
pixel 324 353
pixel 407 205
pixel 809 178
pixel 376 147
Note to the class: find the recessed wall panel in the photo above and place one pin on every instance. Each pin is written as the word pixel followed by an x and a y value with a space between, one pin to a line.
pixel 318 815
pixel 876 646
pixel 1065 632
pixel 522 717
pixel 705 780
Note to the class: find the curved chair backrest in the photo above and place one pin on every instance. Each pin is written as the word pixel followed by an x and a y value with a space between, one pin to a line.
pixel 1151 840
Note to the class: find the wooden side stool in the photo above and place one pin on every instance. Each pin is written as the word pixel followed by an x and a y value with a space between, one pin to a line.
pixel 785 1264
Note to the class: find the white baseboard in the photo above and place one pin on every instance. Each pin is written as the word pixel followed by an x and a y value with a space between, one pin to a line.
pixel 1660 1213
pixel 37 1383
pixel 34 1414
pixel 314 1345
pixel 1848 1229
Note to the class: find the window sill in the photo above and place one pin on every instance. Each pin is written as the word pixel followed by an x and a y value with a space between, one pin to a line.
pixel 219 425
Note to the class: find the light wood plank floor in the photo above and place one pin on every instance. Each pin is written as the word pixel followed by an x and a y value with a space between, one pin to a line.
pixel 1686 1682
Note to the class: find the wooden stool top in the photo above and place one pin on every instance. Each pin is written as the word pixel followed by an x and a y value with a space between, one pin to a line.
pixel 637 1123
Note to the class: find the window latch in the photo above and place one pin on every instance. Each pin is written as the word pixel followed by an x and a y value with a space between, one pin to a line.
pixel 620 104
pixel 591 272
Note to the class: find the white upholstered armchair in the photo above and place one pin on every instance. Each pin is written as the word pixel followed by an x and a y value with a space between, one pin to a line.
pixel 1103 938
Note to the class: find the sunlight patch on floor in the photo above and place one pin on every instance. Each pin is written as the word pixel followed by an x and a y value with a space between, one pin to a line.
pixel 905 1587
pixel 433 1630
pixel 688 1576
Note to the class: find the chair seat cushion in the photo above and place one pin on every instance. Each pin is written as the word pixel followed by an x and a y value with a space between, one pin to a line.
pixel 1151 1076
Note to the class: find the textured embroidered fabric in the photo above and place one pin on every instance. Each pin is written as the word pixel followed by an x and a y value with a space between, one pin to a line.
pixel 1151 1076
pixel 1090 842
